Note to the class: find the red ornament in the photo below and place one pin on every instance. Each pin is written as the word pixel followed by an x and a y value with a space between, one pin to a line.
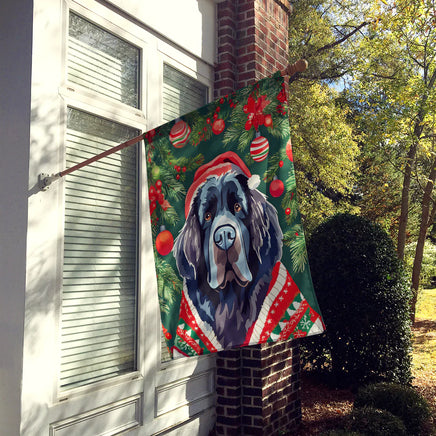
pixel 166 333
pixel 281 163
pixel 164 242
pixel 276 187
pixel 179 134
pixel 259 148
pixel 289 151
pixel 218 126
pixel 287 211
pixel 268 121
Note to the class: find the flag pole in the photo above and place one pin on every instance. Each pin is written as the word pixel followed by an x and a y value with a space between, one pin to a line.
pixel 45 180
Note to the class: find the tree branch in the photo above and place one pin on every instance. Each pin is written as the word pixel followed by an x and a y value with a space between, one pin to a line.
pixel 341 40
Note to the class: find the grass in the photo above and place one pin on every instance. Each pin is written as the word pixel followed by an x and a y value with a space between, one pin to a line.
pixel 424 341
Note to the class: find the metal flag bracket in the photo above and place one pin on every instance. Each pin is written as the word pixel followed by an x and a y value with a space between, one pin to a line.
pixel 45 180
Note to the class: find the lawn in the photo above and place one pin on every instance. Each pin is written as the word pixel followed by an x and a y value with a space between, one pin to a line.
pixel 424 345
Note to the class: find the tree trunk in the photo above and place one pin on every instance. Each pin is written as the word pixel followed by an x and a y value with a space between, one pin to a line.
pixel 426 221
pixel 404 214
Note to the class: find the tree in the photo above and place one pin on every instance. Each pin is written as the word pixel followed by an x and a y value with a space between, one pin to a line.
pixel 397 81
pixel 322 136
pixel 326 152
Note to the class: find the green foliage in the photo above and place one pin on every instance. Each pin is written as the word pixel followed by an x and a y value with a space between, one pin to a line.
pixel 428 270
pixel 402 401
pixel 370 421
pixel 363 297
pixel 325 151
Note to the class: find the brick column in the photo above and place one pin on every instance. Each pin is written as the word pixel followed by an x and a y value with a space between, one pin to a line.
pixel 258 387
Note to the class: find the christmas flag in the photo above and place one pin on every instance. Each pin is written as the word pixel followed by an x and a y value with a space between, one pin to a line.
pixel 230 251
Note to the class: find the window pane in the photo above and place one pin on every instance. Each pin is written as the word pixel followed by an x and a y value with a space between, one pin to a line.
pixel 102 62
pixel 99 299
pixel 181 94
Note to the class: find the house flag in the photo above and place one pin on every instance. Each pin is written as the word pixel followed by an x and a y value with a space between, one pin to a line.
pixel 229 247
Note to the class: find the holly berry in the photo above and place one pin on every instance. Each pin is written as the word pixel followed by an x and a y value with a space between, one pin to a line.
pixel 158 183
pixel 164 242
pixel 268 121
pixel 218 126
pixel 287 211
pixel 276 187
pixel 152 207
pixel 281 163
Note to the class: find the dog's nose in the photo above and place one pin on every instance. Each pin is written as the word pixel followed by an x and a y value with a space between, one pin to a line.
pixel 224 237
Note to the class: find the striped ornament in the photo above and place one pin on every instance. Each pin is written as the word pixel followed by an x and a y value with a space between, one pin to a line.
pixel 179 134
pixel 259 149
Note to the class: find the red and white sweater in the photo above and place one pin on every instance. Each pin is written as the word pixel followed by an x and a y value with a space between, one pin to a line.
pixel 285 313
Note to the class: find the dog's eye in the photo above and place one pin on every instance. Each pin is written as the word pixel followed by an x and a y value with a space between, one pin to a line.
pixel 207 216
pixel 237 207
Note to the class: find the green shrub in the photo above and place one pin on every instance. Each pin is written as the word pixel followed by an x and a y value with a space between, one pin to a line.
pixel 402 401
pixel 364 299
pixel 375 422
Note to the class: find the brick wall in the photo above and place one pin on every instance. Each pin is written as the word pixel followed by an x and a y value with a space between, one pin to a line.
pixel 258 387
pixel 252 42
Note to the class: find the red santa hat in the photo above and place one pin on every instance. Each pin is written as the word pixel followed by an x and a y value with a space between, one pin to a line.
pixel 225 162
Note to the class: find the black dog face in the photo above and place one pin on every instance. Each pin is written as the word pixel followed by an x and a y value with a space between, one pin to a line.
pixel 222 213
pixel 226 251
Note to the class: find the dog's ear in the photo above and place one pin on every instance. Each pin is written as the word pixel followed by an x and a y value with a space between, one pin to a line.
pixel 266 234
pixel 187 246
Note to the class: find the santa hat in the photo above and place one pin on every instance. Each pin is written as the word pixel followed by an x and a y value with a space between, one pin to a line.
pixel 225 162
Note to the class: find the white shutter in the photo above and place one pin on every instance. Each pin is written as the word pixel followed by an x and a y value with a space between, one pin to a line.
pixel 98 322
pixel 181 95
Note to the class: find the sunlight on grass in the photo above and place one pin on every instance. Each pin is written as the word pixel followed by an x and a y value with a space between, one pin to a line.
pixel 424 342
pixel 426 305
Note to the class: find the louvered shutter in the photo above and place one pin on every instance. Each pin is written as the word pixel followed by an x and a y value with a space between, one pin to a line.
pixel 98 322
pixel 181 94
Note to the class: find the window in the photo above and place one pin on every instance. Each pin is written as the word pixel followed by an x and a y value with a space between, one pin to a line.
pixel 102 62
pixel 181 93
pixel 99 292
